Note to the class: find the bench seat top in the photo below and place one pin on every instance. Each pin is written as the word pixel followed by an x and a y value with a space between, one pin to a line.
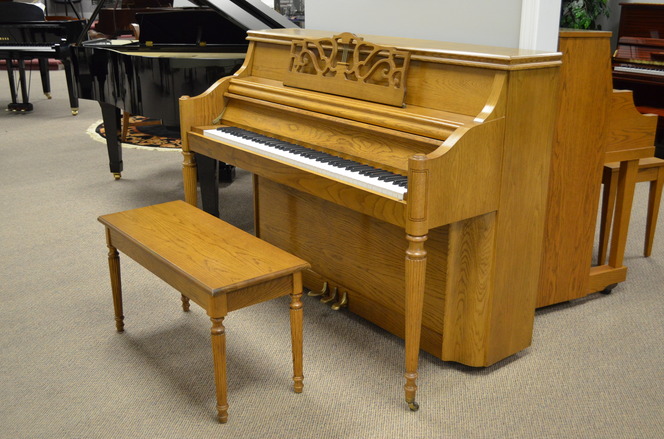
pixel 212 253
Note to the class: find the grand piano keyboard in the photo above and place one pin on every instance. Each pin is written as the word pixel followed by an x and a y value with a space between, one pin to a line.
pixel 47 47
pixel 369 177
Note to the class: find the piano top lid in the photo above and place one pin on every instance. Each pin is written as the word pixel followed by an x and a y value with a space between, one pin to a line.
pixel 503 58
pixel 248 14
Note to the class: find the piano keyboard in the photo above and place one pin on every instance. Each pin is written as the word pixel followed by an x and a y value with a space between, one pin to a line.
pixel 29 48
pixel 378 180
pixel 643 71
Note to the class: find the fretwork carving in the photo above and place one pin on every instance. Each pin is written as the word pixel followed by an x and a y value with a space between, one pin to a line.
pixel 348 66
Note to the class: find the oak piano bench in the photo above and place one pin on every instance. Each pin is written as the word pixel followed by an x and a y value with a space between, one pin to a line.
pixel 219 267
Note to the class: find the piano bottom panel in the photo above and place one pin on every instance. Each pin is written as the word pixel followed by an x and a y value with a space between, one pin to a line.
pixel 359 253
pixel 365 257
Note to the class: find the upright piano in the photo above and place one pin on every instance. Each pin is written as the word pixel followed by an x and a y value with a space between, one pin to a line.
pixel 595 124
pixel 411 174
pixel 26 34
pixel 180 51
pixel 638 61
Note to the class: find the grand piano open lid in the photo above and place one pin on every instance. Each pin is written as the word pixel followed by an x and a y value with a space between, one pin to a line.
pixel 246 14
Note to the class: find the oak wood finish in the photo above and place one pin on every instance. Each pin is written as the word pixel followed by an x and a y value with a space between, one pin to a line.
pixel 595 124
pixel 218 266
pixel 578 156
pixel 453 268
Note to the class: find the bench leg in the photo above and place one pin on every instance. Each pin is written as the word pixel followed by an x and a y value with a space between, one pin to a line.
pixel 606 216
pixel 116 287
pixel 185 303
pixel 296 332
pixel 654 198
pixel 219 356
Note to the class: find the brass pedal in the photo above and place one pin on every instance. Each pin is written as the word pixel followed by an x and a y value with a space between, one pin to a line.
pixel 330 297
pixel 342 302
pixel 318 293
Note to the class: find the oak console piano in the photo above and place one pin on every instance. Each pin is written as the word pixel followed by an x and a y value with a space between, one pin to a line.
pixel 412 175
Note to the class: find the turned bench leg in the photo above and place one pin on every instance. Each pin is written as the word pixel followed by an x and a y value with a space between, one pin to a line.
pixel 185 302
pixel 219 356
pixel 296 333
pixel 116 286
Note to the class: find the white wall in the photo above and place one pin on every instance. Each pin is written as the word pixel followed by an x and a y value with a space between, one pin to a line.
pixel 487 22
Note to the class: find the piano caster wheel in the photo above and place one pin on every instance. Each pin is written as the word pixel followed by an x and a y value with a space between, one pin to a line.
pixel 48 95
pixel 74 111
pixel 116 175
pixel 608 289
pixel 413 406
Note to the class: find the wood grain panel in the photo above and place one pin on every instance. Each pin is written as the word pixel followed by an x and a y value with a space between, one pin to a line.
pixel 354 250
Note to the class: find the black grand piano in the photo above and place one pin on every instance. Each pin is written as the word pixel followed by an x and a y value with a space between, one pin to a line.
pixel 26 34
pixel 180 51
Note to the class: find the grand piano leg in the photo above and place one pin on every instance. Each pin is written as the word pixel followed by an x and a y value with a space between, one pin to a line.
pixel 71 88
pixel 111 116
pixel 45 77
pixel 12 82
pixel 208 177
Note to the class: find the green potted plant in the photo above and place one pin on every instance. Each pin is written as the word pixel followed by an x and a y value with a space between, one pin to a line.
pixel 582 14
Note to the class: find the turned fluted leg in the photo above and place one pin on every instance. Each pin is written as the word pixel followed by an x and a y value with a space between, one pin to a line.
pixel 116 287
pixel 416 258
pixel 296 332
pixel 218 337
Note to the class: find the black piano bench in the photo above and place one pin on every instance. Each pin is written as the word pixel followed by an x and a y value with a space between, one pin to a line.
pixel 219 267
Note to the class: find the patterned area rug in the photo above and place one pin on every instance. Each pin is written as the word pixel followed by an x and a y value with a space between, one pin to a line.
pixel 146 136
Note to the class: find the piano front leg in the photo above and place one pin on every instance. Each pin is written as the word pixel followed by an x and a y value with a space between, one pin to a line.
pixel 71 85
pixel 208 176
pixel 12 82
pixel 416 263
pixel 45 77
pixel 415 269
pixel 111 116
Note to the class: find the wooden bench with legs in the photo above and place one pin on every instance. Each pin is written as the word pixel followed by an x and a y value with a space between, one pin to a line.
pixel 650 169
pixel 218 266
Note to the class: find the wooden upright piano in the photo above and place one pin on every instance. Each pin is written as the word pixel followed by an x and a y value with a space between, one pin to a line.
pixel 449 256
pixel 594 125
